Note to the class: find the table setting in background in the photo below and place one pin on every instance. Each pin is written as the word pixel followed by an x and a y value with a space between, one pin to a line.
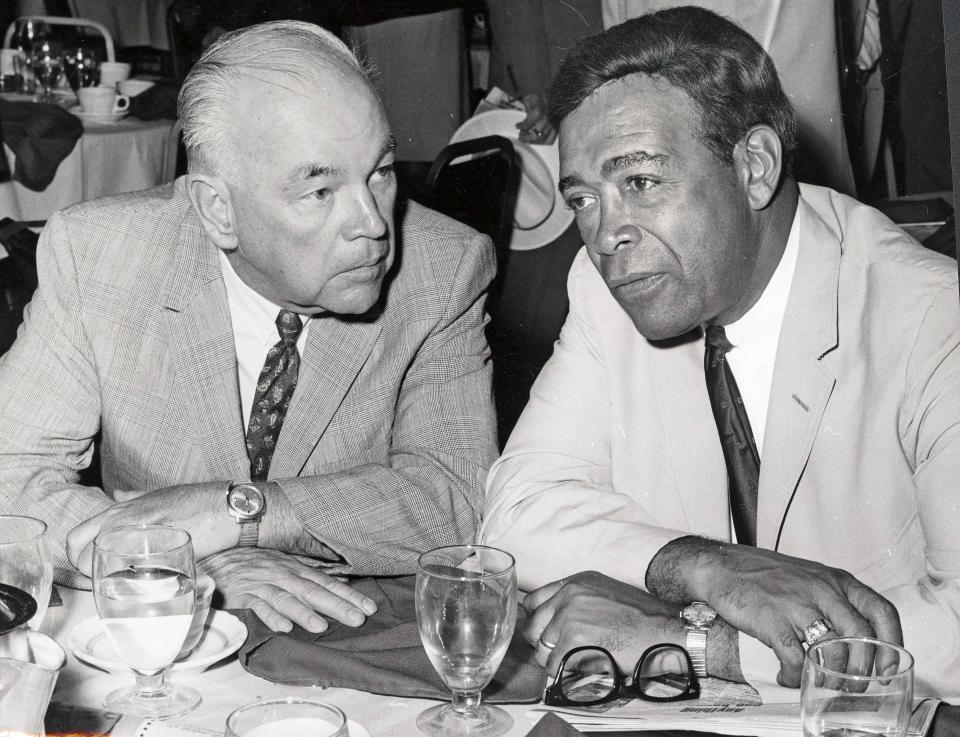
pixel 75 125
pixel 146 655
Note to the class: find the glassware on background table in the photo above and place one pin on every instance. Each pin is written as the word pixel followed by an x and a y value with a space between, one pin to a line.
pixel 25 561
pixel 286 718
pixel 466 599
pixel 47 69
pixel 29 31
pixel 80 67
pixel 840 697
pixel 144 582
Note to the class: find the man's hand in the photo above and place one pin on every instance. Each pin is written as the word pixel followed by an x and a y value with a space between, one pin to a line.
pixel 592 609
pixel 773 597
pixel 200 509
pixel 282 591
pixel 536 127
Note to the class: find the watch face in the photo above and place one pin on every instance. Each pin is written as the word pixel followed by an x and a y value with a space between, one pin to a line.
pixel 699 614
pixel 246 500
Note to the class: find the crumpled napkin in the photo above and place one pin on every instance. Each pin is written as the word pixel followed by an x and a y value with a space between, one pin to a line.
pixel 41 136
pixel 384 656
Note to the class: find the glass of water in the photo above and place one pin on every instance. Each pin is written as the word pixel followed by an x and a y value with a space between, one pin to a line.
pixel 25 561
pixel 843 695
pixel 466 599
pixel 144 584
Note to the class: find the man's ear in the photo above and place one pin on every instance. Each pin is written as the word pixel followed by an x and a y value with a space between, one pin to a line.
pixel 759 161
pixel 211 199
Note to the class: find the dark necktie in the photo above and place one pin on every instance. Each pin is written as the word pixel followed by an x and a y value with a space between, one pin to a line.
pixel 736 438
pixel 278 379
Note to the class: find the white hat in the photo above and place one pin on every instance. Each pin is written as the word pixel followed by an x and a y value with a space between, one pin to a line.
pixel 540 216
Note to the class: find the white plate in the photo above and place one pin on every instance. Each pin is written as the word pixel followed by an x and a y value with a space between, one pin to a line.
pixel 222 636
pixel 357 730
pixel 91 119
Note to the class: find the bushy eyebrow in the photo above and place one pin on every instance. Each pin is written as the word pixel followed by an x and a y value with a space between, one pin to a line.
pixel 308 171
pixel 616 163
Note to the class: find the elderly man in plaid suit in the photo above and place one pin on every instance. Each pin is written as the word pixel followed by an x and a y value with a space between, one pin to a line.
pixel 274 358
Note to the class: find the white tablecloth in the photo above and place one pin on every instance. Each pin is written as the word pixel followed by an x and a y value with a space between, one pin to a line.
pixel 107 160
pixel 227 685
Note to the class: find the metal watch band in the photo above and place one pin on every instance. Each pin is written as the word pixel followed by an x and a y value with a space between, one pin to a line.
pixel 697 650
pixel 249 534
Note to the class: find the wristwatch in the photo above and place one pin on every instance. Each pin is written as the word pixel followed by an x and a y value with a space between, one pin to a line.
pixel 698 617
pixel 246 504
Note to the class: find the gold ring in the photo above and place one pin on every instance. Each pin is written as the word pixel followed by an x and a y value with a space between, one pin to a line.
pixel 816 630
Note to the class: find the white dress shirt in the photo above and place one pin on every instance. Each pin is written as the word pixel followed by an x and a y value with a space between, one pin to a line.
pixel 254 332
pixel 755 337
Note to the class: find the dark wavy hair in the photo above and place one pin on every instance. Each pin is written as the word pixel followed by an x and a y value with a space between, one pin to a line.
pixel 729 76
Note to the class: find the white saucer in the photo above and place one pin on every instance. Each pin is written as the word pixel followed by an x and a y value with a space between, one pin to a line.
pixel 357 730
pixel 222 636
pixel 91 119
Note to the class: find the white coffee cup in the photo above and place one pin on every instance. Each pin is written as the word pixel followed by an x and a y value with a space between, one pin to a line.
pixel 133 87
pixel 112 72
pixel 102 100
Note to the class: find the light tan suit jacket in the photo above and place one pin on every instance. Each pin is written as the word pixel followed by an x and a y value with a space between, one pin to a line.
pixel 390 431
pixel 617 452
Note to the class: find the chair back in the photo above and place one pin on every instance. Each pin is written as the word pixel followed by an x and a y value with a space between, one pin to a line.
pixel 476 182
pixel 56 20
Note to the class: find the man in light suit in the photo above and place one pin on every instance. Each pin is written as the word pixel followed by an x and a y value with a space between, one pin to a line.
pixel 676 143
pixel 156 311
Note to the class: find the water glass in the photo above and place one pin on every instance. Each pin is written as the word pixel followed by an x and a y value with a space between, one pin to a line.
pixel 25 561
pixel 290 717
pixel 466 599
pixel 47 69
pixel 144 581
pixel 29 665
pixel 80 68
pixel 843 695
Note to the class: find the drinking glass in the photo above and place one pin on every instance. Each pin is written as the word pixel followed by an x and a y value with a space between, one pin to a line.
pixel 47 68
pixel 842 697
pixel 144 583
pixel 25 561
pixel 29 32
pixel 80 68
pixel 466 600
pixel 286 717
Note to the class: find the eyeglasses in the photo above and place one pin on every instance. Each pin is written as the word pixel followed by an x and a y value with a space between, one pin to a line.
pixel 589 676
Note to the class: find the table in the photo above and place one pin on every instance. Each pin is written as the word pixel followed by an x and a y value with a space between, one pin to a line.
pixel 227 685
pixel 111 159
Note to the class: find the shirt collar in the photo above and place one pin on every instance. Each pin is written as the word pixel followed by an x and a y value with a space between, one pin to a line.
pixel 253 315
pixel 761 323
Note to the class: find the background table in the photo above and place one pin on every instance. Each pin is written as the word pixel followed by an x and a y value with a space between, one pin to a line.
pixel 123 157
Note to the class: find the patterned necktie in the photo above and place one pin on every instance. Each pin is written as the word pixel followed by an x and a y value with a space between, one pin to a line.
pixel 278 379
pixel 736 438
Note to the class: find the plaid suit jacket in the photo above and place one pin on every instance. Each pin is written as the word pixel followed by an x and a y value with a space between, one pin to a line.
pixel 389 434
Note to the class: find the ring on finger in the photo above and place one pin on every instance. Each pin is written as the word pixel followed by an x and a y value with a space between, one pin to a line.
pixel 547 644
pixel 816 630
pixel 537 133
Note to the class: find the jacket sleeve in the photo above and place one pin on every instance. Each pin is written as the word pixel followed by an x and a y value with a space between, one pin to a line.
pixel 50 406
pixel 930 432
pixel 379 517
pixel 550 497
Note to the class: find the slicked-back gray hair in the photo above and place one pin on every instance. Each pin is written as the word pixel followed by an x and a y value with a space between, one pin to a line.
pixel 295 49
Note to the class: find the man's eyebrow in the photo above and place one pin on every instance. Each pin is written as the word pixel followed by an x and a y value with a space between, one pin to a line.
pixel 309 171
pixel 389 146
pixel 571 180
pixel 632 158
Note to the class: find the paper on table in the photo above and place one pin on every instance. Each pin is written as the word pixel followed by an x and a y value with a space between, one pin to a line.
pixel 758 720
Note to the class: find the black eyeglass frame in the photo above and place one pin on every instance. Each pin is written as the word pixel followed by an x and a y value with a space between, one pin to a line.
pixel 623 688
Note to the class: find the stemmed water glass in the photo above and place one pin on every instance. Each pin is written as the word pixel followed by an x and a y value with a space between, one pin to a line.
pixel 30 31
pixel 47 68
pixel 144 582
pixel 466 599
pixel 25 561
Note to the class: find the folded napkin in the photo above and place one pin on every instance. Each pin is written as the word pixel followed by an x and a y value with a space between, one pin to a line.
pixel 40 136
pixel 384 656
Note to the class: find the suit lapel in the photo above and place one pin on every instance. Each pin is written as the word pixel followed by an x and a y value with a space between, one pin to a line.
pixel 203 353
pixel 334 353
pixel 803 377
